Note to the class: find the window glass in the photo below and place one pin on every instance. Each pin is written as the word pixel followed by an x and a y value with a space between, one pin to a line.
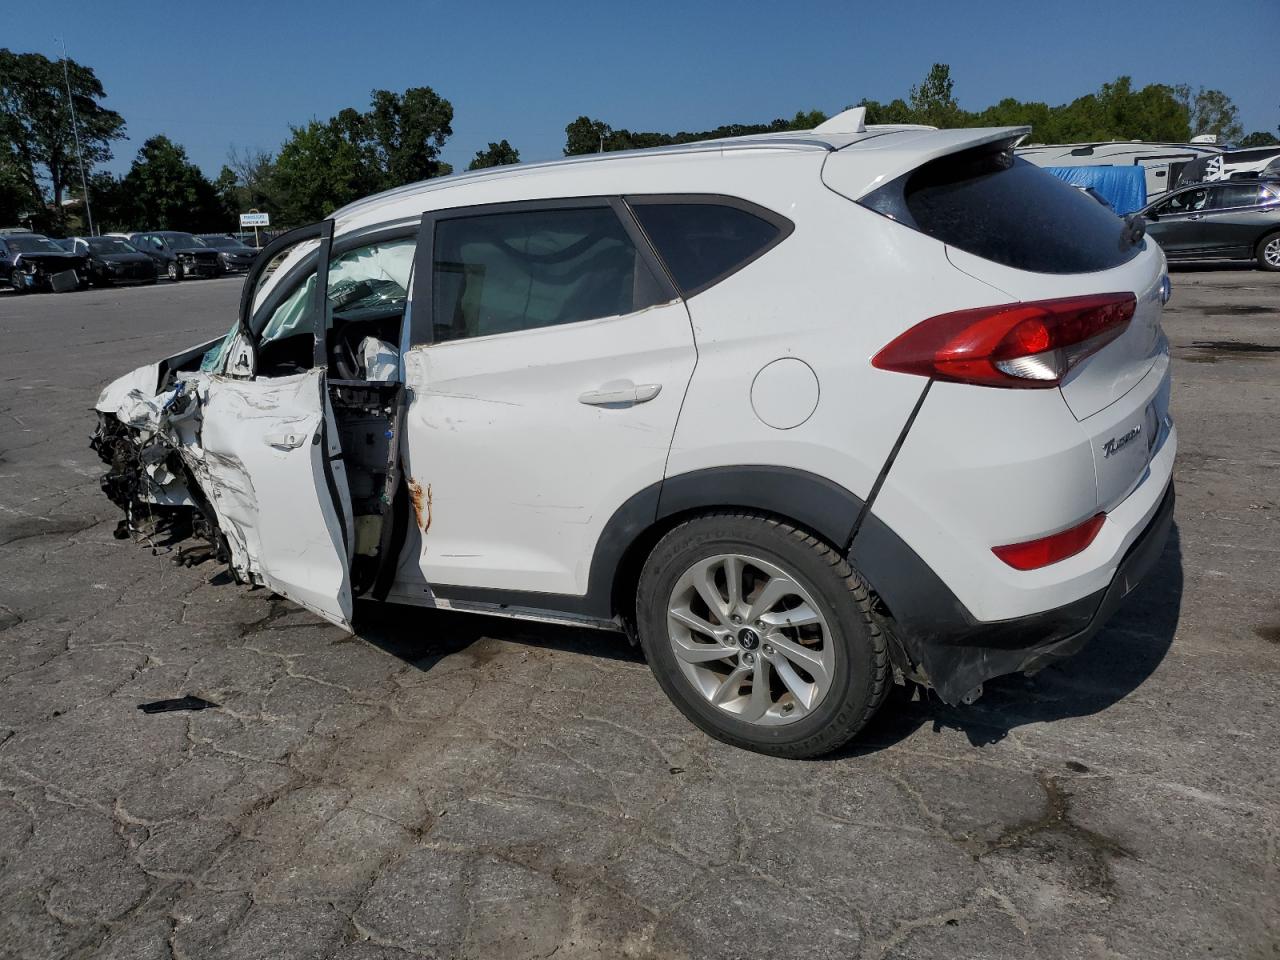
pixel 1187 202
pixel 370 281
pixel 702 243
pixel 1001 208
pixel 1235 195
pixel 500 273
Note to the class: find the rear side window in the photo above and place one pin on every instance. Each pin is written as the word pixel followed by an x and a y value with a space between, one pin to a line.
pixel 704 240
pixel 504 272
pixel 1235 195
pixel 986 202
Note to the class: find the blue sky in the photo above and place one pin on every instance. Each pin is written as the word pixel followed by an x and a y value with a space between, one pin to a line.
pixel 213 74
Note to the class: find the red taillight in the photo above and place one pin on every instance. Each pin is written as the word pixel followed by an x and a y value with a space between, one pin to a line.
pixel 1035 554
pixel 1013 345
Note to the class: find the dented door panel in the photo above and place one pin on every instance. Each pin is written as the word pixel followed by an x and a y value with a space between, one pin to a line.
pixel 264 463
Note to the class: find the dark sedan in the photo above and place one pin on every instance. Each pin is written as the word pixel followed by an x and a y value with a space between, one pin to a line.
pixel 179 255
pixel 114 260
pixel 29 261
pixel 1223 220
pixel 235 255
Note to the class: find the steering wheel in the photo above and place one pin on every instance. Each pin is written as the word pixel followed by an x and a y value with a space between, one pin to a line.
pixel 345 358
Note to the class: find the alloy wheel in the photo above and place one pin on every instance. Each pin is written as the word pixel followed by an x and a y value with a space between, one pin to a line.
pixel 750 638
pixel 1271 252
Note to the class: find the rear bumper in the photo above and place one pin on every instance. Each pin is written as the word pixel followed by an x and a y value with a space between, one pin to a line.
pixel 956 653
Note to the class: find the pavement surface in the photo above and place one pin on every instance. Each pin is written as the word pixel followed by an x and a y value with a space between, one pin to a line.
pixel 452 786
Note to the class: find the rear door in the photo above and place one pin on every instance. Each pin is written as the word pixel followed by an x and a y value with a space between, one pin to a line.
pixel 270 462
pixel 1230 225
pixel 549 361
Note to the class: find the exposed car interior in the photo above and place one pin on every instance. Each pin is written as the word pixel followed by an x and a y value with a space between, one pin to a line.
pixel 366 295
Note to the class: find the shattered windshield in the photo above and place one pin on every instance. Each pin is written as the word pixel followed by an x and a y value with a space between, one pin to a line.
pixel 32 243
pixel 366 281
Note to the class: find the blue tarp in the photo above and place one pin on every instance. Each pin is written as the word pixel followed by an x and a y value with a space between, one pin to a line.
pixel 1125 188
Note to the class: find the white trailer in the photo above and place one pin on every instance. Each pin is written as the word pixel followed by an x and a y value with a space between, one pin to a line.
pixel 1162 161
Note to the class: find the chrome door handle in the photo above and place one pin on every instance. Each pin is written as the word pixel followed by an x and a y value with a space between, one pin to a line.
pixel 1195 216
pixel 624 394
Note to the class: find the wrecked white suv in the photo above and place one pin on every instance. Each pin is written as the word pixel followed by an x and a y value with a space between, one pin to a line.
pixel 804 413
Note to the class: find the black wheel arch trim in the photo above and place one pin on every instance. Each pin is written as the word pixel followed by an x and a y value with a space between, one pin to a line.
pixel 936 637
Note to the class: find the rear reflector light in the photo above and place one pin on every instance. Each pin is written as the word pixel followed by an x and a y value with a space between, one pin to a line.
pixel 1035 554
pixel 1014 345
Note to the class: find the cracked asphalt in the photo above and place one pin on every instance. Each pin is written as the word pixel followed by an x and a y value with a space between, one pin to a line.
pixel 452 786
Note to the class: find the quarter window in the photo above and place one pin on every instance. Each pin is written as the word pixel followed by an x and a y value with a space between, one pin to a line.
pixel 504 272
pixel 703 242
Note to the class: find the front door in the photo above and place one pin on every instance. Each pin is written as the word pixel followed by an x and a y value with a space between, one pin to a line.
pixel 269 459
pixel 550 358
pixel 1177 228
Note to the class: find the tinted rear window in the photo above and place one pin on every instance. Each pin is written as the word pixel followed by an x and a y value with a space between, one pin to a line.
pixel 702 242
pixel 998 207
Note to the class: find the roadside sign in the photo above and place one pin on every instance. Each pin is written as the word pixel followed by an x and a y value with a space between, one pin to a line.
pixel 255 219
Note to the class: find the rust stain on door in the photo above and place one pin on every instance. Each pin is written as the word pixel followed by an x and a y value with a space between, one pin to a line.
pixel 421 500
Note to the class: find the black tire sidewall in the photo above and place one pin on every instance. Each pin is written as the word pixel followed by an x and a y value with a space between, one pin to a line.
pixel 1261 247
pixel 853 684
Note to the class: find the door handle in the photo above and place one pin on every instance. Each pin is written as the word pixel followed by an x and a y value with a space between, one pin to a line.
pixel 1195 216
pixel 286 441
pixel 624 393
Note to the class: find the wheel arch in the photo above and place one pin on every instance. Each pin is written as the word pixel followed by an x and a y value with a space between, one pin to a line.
pixel 796 496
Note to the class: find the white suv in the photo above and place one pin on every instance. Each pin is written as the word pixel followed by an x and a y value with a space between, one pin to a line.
pixel 803 413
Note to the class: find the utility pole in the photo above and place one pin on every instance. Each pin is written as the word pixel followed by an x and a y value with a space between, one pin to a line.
pixel 75 129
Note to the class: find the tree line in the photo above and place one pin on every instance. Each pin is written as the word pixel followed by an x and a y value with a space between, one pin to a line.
pixel 398 139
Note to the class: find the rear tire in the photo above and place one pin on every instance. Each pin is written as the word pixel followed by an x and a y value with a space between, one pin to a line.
pixel 1268 252
pixel 17 280
pixel 817 664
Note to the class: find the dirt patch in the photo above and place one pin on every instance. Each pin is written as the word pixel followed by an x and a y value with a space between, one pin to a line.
pixel 1234 346
pixel 1211 351
pixel 1269 632
pixel 1238 309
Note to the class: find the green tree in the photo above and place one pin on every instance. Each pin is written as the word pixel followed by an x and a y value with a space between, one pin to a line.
pixel 1260 138
pixel 1210 112
pixel 896 111
pixel 113 207
pixel 254 170
pixel 497 155
pixel 326 165
pixel 933 103
pixel 318 170
pixel 167 191
pixel 405 133
pixel 15 197
pixel 585 135
pixel 35 124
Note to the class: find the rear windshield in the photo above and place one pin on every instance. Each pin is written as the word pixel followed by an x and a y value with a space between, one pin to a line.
pixel 986 202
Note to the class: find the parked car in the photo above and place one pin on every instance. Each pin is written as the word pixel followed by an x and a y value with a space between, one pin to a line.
pixel 1226 220
pixel 31 261
pixel 112 260
pixel 180 255
pixel 235 255
pixel 801 413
